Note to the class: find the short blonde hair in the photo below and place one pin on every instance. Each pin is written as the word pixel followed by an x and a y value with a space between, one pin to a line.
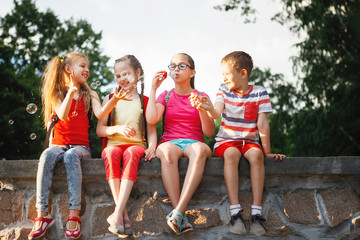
pixel 239 60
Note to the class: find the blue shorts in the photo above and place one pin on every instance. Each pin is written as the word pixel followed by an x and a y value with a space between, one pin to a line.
pixel 183 142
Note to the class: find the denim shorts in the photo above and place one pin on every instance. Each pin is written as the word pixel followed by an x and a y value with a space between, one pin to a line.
pixel 183 142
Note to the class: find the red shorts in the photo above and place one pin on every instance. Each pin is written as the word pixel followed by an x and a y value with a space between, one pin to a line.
pixel 220 150
pixel 130 156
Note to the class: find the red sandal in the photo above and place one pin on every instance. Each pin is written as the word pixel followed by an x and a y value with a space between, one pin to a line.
pixel 46 222
pixel 73 233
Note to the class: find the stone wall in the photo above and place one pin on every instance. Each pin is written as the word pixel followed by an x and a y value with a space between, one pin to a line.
pixel 304 198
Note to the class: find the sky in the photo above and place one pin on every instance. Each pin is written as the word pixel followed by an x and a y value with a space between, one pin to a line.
pixel 155 30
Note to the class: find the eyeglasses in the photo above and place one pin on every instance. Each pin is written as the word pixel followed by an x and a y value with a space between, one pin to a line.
pixel 182 66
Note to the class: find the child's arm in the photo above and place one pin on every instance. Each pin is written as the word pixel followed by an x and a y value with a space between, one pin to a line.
pixel 152 141
pixel 62 109
pixel 264 131
pixel 155 110
pixel 101 111
pixel 205 103
pixel 207 123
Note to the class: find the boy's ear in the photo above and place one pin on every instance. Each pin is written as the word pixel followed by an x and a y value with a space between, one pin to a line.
pixel 244 72
pixel 67 68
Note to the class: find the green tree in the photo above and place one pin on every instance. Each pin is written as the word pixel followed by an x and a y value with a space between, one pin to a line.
pixel 329 62
pixel 28 40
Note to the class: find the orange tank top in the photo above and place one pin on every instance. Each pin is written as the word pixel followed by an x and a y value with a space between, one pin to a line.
pixel 75 129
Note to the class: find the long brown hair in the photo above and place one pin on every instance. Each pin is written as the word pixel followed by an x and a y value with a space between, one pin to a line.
pixel 55 82
pixel 192 66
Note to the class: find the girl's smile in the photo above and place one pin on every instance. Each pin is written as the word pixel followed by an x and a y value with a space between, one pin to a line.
pixel 125 76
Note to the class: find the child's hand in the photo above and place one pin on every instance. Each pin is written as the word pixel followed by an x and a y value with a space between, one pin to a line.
pixel 159 77
pixel 202 102
pixel 126 130
pixel 276 156
pixel 149 154
pixel 119 95
pixel 72 87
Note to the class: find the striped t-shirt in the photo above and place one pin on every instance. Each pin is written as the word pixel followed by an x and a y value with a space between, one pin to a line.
pixel 239 118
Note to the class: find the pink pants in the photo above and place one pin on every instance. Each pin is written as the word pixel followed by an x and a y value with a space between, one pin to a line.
pixel 130 155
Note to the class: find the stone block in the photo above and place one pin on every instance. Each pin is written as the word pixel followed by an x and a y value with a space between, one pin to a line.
pixel 147 216
pixel 5 206
pixel 357 227
pixel 32 211
pixel 300 207
pixel 99 224
pixel 11 206
pixel 16 234
pixel 273 220
pixel 19 206
pixel 63 206
pixel 245 199
pixel 283 232
pixel 204 218
pixel 340 205
pixel 204 198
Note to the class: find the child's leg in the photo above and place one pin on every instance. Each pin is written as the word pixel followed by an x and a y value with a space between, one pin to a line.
pixel 197 154
pixel 112 159
pixel 47 162
pixel 255 157
pixel 232 157
pixel 72 162
pixel 169 155
pixel 257 173
pixel 131 159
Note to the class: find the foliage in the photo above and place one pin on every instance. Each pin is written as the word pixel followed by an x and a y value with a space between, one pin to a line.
pixel 326 120
pixel 245 8
pixel 283 97
pixel 329 60
pixel 28 40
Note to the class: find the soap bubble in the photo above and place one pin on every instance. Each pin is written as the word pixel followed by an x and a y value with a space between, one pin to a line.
pixel 172 75
pixel 33 136
pixel 11 122
pixel 31 108
pixel 93 85
pixel 98 83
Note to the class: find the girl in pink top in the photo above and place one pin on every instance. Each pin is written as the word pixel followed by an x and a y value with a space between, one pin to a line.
pixel 184 127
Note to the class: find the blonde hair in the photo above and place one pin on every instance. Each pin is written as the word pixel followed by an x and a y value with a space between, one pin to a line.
pixel 55 82
pixel 239 60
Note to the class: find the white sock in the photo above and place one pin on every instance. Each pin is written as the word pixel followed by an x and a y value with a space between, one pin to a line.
pixel 234 209
pixel 255 209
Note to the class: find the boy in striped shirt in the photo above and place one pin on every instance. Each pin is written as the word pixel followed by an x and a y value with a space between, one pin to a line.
pixel 244 109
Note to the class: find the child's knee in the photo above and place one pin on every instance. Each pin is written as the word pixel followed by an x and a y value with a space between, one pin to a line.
pixel 255 156
pixel 232 156
pixel 203 150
